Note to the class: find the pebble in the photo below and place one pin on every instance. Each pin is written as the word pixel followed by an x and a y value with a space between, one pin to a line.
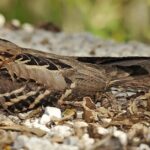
pixel 80 124
pixel 53 112
pixel 50 114
pixel 28 27
pixel 72 140
pixel 102 131
pixel 44 119
pixel 16 22
pixel 61 130
pixel 35 124
pixel 86 142
pixel 143 147
pixel 39 144
pixel 76 44
pixel 79 114
pixel 2 20
pixel 122 137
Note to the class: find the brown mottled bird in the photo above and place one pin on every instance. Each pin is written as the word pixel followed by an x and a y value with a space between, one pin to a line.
pixel 30 78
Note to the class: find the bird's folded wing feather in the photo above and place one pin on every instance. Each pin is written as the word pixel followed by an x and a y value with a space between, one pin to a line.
pixel 30 74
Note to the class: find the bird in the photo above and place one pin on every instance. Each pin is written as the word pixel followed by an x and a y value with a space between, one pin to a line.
pixel 31 78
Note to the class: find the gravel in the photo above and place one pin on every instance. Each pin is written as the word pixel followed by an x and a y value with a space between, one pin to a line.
pixel 73 44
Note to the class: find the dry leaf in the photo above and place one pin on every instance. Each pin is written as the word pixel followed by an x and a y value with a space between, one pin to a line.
pixel 22 128
pixel 133 109
pixel 89 110
pixel 87 101
pixel 103 112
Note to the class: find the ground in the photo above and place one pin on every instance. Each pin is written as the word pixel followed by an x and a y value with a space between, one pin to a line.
pixel 121 120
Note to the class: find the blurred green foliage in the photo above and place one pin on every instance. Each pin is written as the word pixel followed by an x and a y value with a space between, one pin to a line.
pixel 122 20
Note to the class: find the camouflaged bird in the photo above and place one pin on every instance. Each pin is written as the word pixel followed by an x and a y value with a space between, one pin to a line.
pixel 30 78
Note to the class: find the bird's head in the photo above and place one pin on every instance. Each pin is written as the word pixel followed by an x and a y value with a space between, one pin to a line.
pixel 8 51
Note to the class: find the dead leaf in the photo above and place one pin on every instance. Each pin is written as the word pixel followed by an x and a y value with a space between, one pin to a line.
pixel 133 109
pixel 22 128
pixel 124 121
pixel 89 110
pixel 57 139
pixel 87 101
pixel 103 112
pixel 68 114
pixel 90 115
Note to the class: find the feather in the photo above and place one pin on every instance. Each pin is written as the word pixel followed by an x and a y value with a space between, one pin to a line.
pixel 28 77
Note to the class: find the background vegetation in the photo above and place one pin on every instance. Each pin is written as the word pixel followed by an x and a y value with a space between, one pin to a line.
pixel 118 19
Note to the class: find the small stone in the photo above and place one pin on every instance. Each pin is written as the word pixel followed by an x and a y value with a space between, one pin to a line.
pixel 2 20
pixel 131 93
pixel 106 120
pixel 79 114
pixel 24 142
pixel 80 124
pixel 102 131
pixel 36 124
pixel 86 142
pixel 16 22
pixel 144 147
pixel 61 130
pixel 72 140
pixel 122 137
pixel 28 27
pixel 44 119
pixel 20 142
pixel 87 139
pixel 53 112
